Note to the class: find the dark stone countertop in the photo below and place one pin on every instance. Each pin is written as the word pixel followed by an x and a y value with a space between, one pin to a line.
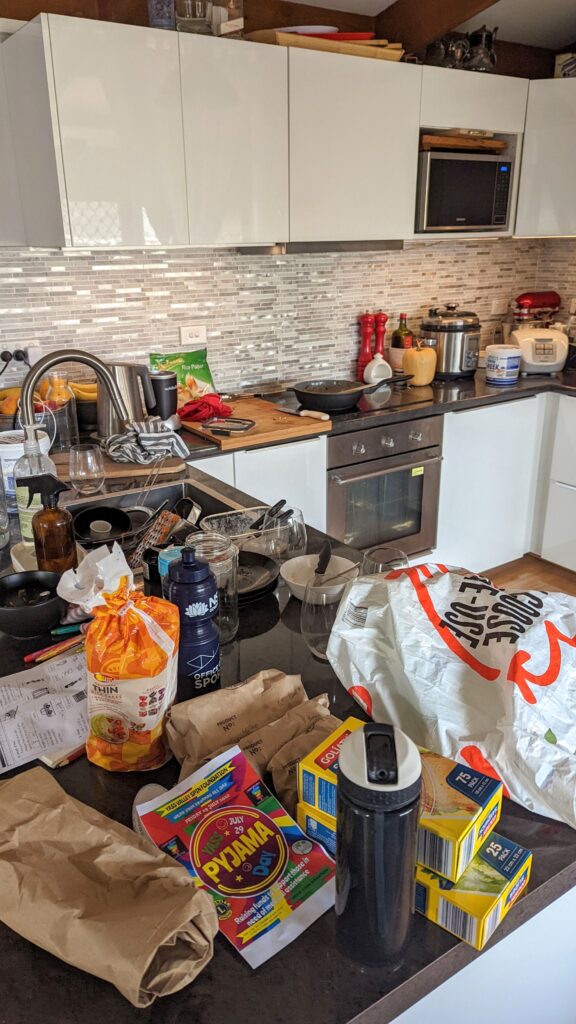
pixel 310 979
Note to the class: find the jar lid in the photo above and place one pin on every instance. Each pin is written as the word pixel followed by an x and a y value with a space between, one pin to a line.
pixel 380 767
pixel 450 318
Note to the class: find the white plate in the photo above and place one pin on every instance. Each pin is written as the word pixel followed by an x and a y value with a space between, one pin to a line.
pixel 303 30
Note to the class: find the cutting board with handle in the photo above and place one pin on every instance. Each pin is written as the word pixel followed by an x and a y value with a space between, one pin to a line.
pixel 272 426
pixel 113 469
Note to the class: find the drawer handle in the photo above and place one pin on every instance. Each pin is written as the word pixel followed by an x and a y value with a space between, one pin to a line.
pixel 415 435
pixel 358 448
pixel 387 442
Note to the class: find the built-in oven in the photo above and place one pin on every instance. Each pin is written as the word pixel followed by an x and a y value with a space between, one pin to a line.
pixel 384 485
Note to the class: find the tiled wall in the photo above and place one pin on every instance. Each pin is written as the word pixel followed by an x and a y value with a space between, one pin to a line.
pixel 558 270
pixel 267 317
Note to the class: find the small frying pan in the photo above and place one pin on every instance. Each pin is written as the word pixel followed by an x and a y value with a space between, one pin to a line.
pixel 333 395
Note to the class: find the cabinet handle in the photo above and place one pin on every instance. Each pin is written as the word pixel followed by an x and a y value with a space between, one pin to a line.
pixel 387 442
pixel 415 435
pixel 358 448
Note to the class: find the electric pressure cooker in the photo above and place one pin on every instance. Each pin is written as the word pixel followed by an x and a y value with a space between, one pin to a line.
pixel 457 339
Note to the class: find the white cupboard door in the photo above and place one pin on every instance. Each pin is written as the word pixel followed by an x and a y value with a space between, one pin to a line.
pixel 221 467
pixel 489 464
pixel 235 102
pixel 546 199
pixel 559 541
pixel 458 99
pixel 120 119
pixel 353 147
pixel 11 222
pixel 294 471
pixel 563 466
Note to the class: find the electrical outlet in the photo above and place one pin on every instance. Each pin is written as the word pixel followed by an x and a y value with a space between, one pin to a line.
pixel 193 335
pixel 499 307
pixel 573 306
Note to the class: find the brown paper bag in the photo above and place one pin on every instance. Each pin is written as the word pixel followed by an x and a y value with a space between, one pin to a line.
pixel 284 765
pixel 261 745
pixel 86 889
pixel 216 721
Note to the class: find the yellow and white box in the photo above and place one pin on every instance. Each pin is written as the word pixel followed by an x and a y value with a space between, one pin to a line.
pixel 318 826
pixel 459 808
pixel 318 771
pixel 473 907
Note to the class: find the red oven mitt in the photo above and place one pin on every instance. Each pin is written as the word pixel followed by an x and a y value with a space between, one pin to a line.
pixel 205 408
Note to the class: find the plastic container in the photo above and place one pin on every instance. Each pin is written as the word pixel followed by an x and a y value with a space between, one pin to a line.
pixel 32 463
pixel 165 559
pixel 12 449
pixel 192 588
pixel 379 783
pixel 222 557
pixel 62 403
pixel 502 365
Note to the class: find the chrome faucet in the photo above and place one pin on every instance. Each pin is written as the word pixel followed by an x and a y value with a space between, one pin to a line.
pixel 69 356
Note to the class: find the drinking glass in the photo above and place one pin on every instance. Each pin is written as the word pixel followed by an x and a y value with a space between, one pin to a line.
pixel 320 608
pixel 382 559
pixel 86 468
pixel 284 538
pixel 194 16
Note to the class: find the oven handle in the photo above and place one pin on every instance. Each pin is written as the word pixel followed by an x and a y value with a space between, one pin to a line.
pixel 341 481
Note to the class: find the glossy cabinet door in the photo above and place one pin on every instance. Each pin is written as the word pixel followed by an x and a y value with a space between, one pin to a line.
pixel 466 99
pixel 221 467
pixel 559 534
pixel 295 471
pixel 547 197
pixel 235 103
pixel 120 119
pixel 11 222
pixel 488 484
pixel 354 127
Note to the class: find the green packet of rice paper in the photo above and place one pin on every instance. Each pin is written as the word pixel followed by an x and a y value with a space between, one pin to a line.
pixel 191 369
pixel 268 880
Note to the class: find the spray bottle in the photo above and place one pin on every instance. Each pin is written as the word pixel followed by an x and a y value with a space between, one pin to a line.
pixel 32 463
pixel 52 527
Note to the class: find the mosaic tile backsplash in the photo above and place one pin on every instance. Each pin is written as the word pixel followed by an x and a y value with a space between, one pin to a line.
pixel 267 318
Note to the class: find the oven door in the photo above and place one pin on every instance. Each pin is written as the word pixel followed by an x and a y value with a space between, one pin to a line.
pixel 386 501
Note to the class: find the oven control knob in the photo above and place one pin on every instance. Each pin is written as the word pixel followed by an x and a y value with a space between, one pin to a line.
pixel 415 435
pixel 387 442
pixel 358 448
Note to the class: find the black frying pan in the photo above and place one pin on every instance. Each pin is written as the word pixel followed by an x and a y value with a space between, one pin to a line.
pixel 333 395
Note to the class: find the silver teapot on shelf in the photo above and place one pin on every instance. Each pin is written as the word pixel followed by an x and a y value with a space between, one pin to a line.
pixel 481 55
pixel 473 51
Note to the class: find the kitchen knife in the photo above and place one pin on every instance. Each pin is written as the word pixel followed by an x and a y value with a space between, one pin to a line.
pixel 323 563
pixel 270 513
pixel 312 413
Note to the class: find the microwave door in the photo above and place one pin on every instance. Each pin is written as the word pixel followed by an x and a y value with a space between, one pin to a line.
pixel 458 192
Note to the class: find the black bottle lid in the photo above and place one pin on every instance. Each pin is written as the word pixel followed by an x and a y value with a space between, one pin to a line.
pixel 380 767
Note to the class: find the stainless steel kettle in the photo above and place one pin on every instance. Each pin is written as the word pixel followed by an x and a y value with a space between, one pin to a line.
pixel 127 377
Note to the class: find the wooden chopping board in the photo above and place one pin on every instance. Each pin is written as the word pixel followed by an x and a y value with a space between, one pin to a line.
pixel 120 469
pixel 272 426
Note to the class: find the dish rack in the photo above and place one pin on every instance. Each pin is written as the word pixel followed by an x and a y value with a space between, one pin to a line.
pixel 273 542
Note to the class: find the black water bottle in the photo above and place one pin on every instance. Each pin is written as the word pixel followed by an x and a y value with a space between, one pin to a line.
pixel 379 782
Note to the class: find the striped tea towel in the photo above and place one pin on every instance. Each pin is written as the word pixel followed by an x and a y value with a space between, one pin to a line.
pixel 145 443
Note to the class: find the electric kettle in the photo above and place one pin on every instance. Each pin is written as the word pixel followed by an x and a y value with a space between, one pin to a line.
pixel 127 377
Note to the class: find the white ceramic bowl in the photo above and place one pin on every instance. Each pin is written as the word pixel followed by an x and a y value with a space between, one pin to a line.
pixel 298 572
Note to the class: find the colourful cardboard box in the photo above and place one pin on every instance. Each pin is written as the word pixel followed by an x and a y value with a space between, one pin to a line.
pixel 318 826
pixel 317 772
pixel 473 907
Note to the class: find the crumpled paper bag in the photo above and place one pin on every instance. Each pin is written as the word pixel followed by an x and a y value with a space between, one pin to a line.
pixel 101 571
pixel 89 891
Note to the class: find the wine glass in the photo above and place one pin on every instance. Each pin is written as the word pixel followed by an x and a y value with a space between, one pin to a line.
pixel 320 608
pixel 86 468
pixel 284 536
pixel 382 559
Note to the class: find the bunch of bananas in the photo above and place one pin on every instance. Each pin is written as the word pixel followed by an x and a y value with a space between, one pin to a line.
pixel 85 391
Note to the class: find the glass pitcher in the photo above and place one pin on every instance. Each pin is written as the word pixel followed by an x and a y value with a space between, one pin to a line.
pixel 61 402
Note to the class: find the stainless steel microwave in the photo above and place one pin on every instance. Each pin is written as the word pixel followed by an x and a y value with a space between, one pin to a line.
pixel 463 192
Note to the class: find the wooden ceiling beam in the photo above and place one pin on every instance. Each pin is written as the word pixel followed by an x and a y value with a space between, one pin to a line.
pixel 415 24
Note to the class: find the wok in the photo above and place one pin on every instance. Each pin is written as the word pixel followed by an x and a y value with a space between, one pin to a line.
pixel 332 395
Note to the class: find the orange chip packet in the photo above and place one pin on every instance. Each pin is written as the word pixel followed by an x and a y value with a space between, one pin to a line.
pixel 132 663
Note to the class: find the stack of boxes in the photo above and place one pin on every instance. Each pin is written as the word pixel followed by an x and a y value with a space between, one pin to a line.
pixel 467 876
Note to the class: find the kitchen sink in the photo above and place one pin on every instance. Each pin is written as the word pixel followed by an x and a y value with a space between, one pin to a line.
pixel 208 498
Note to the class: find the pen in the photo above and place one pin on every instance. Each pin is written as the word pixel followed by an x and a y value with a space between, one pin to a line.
pixel 54 649
pixel 67 630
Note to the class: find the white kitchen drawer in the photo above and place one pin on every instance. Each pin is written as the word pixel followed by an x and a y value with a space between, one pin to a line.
pixel 219 466
pixel 11 222
pixel 458 99
pixel 295 471
pixel 559 543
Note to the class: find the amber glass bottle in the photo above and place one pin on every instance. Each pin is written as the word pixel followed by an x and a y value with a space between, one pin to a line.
pixel 53 527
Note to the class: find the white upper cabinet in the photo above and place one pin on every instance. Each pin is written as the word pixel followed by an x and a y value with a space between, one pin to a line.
pixel 467 99
pixel 11 222
pixel 353 147
pixel 235 102
pixel 547 199
pixel 96 114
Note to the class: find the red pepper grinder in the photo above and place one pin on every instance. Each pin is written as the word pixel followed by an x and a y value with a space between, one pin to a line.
pixel 366 331
pixel 380 320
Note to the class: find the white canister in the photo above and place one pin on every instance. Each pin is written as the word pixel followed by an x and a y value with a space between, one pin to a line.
pixel 12 449
pixel 502 364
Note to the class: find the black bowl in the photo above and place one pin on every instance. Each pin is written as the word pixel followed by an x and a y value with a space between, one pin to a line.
pixel 24 611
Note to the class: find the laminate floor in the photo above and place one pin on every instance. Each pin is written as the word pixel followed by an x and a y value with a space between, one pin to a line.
pixel 533 573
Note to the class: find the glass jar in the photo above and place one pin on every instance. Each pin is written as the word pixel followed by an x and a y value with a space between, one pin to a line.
pixel 4 522
pixel 228 18
pixel 222 557
pixel 61 402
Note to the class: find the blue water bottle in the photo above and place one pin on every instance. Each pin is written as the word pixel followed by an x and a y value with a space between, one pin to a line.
pixel 192 588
